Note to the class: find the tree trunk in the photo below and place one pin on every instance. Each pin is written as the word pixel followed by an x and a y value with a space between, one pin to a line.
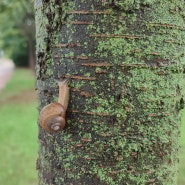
pixel 125 63
pixel 31 54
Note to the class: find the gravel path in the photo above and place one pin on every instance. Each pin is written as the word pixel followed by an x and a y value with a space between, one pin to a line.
pixel 6 71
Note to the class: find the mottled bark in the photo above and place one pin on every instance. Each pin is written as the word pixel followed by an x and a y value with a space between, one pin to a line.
pixel 125 62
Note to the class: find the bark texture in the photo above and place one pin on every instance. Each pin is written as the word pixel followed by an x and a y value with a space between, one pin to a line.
pixel 125 61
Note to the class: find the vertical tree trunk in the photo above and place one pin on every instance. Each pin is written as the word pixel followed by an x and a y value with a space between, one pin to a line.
pixel 125 62
pixel 31 54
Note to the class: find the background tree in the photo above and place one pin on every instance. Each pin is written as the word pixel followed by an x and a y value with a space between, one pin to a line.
pixel 125 62
pixel 17 31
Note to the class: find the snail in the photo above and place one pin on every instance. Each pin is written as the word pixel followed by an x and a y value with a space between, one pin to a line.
pixel 52 116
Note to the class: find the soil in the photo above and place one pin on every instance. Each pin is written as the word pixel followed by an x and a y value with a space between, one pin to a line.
pixel 25 96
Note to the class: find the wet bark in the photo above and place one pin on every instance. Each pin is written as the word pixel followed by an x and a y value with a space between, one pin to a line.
pixel 125 63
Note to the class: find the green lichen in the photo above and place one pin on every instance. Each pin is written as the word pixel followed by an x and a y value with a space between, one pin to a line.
pixel 125 131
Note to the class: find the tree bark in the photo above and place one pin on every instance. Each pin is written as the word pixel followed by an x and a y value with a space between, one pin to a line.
pixel 125 63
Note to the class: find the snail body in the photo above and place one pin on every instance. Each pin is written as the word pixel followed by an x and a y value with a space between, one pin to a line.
pixel 52 116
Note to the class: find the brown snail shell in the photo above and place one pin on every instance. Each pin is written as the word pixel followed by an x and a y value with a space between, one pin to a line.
pixel 52 117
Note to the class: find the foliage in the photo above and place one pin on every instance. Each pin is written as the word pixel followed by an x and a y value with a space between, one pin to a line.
pixel 17 28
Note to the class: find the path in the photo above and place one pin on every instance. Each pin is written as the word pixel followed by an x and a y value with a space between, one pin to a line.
pixel 6 71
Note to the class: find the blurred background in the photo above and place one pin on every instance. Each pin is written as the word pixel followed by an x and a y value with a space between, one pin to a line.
pixel 18 103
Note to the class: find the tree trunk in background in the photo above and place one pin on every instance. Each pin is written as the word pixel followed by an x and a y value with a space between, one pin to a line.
pixel 31 53
pixel 125 62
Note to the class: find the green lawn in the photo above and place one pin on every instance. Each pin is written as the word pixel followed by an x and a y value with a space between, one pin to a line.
pixel 18 132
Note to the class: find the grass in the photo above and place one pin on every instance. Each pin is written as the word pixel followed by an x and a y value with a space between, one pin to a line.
pixel 23 79
pixel 18 132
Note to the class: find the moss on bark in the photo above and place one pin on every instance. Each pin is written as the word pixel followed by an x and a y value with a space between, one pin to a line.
pixel 126 65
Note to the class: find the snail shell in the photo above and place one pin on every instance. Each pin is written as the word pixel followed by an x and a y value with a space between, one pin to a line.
pixel 52 117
